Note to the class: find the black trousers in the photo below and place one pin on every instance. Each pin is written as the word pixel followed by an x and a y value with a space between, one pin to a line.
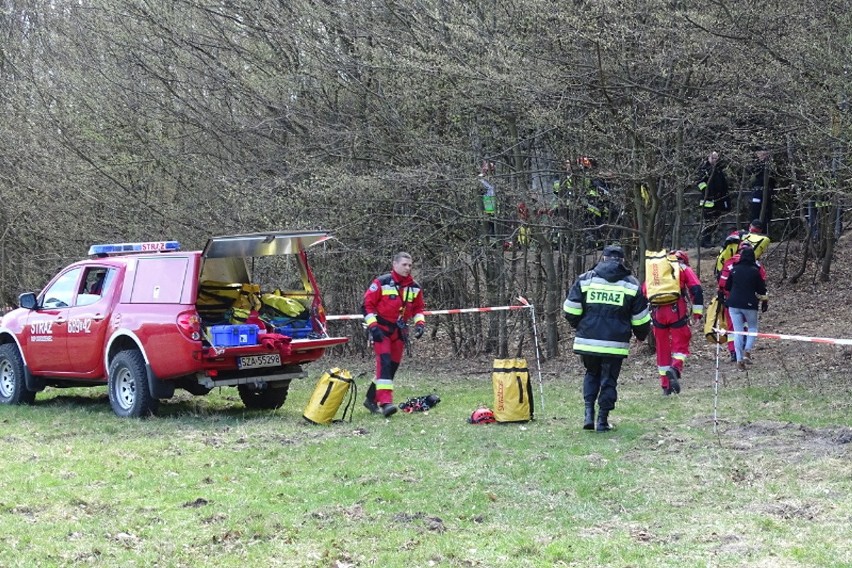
pixel 601 380
pixel 710 224
pixel 757 206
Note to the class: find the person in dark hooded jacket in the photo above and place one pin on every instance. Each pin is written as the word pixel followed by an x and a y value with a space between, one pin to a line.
pixel 605 306
pixel 746 286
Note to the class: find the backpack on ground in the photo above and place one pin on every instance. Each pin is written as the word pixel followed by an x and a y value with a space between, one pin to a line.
pixel 513 399
pixel 328 395
pixel 662 278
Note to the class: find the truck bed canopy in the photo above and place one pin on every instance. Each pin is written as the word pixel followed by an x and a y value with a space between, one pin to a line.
pixel 224 258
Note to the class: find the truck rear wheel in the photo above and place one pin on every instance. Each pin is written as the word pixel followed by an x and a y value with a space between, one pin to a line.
pixel 269 398
pixel 13 386
pixel 128 386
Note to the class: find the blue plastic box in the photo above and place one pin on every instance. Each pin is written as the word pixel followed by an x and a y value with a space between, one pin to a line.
pixel 296 329
pixel 233 335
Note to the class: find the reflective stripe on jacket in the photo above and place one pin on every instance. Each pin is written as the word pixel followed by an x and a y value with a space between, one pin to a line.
pixel 388 299
pixel 605 306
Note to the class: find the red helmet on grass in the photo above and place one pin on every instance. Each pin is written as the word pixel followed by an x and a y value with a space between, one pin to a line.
pixel 482 416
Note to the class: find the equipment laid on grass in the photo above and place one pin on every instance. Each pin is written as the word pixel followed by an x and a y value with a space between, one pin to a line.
pixel 328 396
pixel 482 416
pixel 420 403
pixel 513 399
pixel 524 305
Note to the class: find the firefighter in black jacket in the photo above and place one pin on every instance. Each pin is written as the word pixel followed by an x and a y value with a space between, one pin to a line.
pixel 605 305
pixel 713 185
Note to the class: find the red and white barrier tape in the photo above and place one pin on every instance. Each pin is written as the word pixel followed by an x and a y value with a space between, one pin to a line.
pixel 445 312
pixel 829 340
pixel 525 304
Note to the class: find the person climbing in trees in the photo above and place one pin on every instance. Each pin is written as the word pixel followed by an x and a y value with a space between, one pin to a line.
pixel 489 196
pixel 712 183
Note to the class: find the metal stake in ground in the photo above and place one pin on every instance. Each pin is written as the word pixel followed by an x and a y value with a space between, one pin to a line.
pixel 716 386
pixel 524 301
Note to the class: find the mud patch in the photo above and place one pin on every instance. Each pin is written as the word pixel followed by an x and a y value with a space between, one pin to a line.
pixel 790 511
pixel 795 441
pixel 435 524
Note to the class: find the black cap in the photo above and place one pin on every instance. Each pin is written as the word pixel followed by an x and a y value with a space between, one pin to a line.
pixel 747 255
pixel 757 224
pixel 614 251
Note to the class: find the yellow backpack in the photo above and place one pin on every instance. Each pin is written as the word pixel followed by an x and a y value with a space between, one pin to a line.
pixel 662 277
pixel 513 400
pixel 328 395
pixel 715 319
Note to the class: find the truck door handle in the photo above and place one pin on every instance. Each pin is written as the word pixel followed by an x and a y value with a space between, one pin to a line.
pixel 98 317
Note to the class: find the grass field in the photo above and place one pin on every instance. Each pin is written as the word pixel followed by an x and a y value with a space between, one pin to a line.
pixel 210 484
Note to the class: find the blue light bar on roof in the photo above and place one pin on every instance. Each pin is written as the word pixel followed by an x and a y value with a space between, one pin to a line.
pixel 131 248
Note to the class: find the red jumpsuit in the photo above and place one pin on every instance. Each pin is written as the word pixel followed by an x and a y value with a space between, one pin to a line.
pixel 671 327
pixel 389 303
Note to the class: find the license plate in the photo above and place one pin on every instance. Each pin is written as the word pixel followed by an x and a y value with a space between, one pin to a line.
pixel 257 361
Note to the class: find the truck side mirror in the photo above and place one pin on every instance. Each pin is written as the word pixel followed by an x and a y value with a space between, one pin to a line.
pixel 28 300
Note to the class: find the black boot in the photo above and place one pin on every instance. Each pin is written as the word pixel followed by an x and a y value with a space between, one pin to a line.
pixel 589 420
pixel 388 410
pixel 603 423
pixel 370 400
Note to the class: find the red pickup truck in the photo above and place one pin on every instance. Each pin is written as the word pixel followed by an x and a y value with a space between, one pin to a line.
pixel 133 317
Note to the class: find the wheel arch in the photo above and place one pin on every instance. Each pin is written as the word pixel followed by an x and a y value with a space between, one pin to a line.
pixel 126 340
pixel 122 340
pixel 36 384
pixel 7 336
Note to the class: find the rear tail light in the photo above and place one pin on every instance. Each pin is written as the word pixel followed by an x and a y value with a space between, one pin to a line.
pixel 189 325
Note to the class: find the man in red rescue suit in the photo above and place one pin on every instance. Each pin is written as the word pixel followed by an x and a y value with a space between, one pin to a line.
pixel 389 303
pixel 670 323
pixel 723 293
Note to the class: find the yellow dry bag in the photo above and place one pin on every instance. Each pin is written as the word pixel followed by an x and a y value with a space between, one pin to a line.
pixel 715 319
pixel 662 277
pixel 328 395
pixel 513 400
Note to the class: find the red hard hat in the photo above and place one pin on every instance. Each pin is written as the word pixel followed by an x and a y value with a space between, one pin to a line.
pixel 681 256
pixel 587 161
pixel 734 237
pixel 482 416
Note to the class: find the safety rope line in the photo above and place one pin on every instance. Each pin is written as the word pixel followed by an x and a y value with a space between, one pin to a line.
pixel 439 312
pixel 716 389
pixel 828 340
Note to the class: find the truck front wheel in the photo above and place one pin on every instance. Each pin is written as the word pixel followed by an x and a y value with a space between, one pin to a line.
pixel 269 398
pixel 13 386
pixel 128 386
